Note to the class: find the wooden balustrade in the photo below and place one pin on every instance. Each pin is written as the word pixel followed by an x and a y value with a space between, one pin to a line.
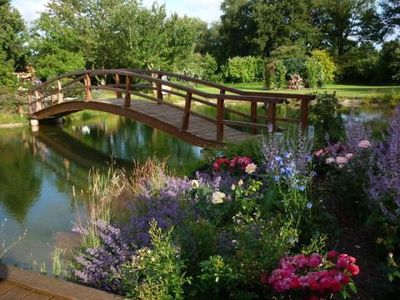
pixel 188 93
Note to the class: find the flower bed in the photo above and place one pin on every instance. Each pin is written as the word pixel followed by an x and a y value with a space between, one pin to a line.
pixel 244 227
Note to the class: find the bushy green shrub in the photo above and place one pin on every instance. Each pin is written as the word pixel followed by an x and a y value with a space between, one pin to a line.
pixel 314 73
pixel 7 77
pixel 244 69
pixel 327 120
pixel 202 67
pixel 157 272
pixel 327 65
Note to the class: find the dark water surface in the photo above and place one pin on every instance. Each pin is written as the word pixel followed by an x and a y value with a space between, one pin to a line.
pixel 38 171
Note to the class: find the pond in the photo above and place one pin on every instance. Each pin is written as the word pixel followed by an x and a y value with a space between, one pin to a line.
pixel 39 171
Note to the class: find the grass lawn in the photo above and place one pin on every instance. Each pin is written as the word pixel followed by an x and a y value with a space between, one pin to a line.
pixel 342 90
pixel 9 118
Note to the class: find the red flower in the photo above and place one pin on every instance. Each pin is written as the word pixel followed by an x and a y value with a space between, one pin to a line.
pixel 220 163
pixel 353 269
pixel 332 254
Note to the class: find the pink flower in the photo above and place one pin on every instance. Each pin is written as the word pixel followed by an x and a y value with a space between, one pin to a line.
pixel 319 153
pixel 365 144
pixel 341 160
pixel 315 260
pixel 329 160
pixel 332 254
pixel 349 156
pixel 353 269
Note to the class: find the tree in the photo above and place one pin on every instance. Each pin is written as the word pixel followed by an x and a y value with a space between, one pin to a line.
pixel 12 37
pixel 114 33
pixel 391 13
pixel 389 62
pixel 345 22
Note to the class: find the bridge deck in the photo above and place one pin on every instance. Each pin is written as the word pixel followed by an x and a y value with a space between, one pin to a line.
pixel 18 284
pixel 163 116
pixel 198 126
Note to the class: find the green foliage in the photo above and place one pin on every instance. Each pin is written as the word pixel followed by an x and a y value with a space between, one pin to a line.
pixel 244 69
pixel 156 273
pixel 389 62
pixel 12 36
pixel 202 67
pixel 327 64
pixel 275 75
pixel 62 61
pixel 391 13
pixel 314 73
pixel 327 119
pixel 7 76
pixel 111 34
pixel 359 65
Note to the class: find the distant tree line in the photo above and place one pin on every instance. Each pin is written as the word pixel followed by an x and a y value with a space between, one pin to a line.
pixel 321 40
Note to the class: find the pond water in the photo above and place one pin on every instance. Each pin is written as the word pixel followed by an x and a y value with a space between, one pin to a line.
pixel 38 172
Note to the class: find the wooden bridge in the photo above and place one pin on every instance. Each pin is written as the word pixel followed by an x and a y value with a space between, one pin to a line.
pixel 141 95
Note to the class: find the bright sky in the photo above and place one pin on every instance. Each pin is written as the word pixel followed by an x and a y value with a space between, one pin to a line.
pixel 207 10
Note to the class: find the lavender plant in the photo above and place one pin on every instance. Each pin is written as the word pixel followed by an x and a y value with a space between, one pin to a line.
pixel 100 266
pixel 165 207
pixel 384 188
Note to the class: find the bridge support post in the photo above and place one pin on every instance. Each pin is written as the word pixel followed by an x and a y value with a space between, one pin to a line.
pixel 186 114
pixel 117 86
pixel 220 117
pixel 88 88
pixel 160 95
pixel 128 92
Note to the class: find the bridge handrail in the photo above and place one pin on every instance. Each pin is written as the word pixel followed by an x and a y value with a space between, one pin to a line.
pixel 158 84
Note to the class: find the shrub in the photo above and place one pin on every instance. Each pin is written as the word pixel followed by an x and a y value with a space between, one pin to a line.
pixel 156 272
pixel 275 74
pixel 244 69
pixel 327 65
pixel 327 120
pixel 315 73
pixel 202 67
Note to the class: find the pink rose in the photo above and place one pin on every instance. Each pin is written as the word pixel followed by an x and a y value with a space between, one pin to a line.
pixel 365 144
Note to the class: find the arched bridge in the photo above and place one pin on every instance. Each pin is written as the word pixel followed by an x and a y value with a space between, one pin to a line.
pixel 142 95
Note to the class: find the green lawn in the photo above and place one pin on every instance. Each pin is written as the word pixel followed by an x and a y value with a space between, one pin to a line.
pixel 10 118
pixel 342 90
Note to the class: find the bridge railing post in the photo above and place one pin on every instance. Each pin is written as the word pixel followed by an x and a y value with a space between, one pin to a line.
pixel 117 86
pixel 88 88
pixel 60 96
pixel 253 118
pixel 160 95
pixel 220 117
pixel 128 91
pixel 186 114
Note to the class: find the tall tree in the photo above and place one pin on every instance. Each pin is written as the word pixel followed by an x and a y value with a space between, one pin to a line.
pixel 12 35
pixel 344 22
pixel 114 33
pixel 391 13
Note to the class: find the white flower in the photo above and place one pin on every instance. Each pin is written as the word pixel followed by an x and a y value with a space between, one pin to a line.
pixel 218 197
pixel 251 168
pixel 341 160
pixel 233 187
pixel 195 183
pixel 240 182
pixel 329 160
pixel 349 155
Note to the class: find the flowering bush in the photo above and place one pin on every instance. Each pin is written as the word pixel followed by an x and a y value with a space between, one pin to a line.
pixel 238 164
pixel 314 275
pixel 295 82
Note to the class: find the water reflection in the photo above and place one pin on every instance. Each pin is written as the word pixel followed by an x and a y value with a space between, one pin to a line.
pixel 38 171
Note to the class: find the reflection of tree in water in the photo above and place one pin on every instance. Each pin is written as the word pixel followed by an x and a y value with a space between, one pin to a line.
pixel 19 180
pixel 132 140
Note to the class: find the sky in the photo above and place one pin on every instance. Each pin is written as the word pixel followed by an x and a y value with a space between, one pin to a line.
pixel 207 10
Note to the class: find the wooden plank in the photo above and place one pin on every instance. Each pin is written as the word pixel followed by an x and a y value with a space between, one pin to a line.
pixel 16 293
pixel 5 285
pixel 51 286
pixel 38 296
